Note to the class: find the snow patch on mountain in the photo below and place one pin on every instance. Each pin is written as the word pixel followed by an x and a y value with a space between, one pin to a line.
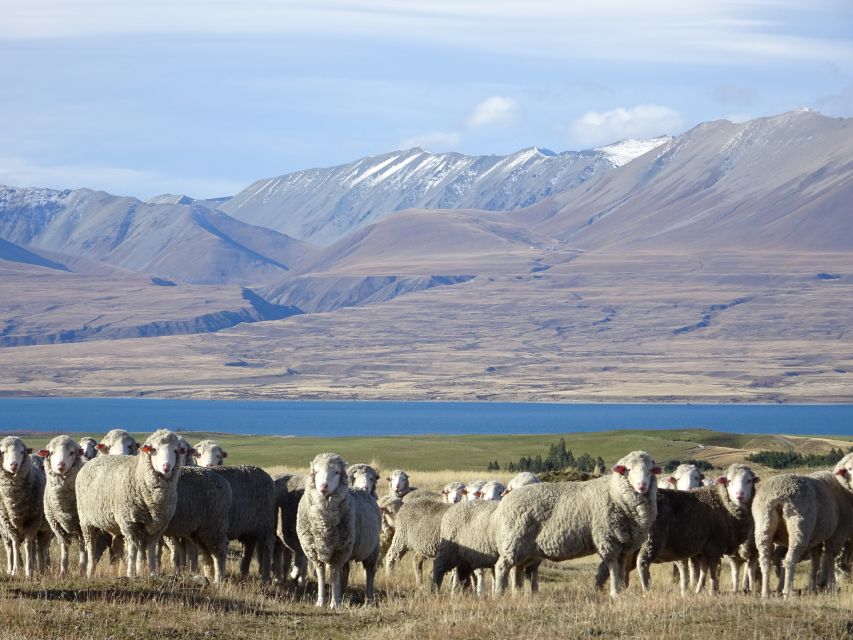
pixel 622 152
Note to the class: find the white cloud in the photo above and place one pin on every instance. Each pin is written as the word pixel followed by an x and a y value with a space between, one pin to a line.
pixel 433 141
pixel 17 172
pixel 496 110
pixel 641 121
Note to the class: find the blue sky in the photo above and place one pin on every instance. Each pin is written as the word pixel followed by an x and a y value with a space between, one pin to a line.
pixel 203 98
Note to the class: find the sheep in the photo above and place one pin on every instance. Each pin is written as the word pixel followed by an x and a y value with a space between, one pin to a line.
pixel 811 513
pixel 289 488
pixel 685 478
pixel 21 504
pixel 336 525
pixel 399 483
pixel 89 447
pixel 209 454
pixel 453 492
pixel 252 515
pixel 704 524
pixel 472 488
pixel 118 442
pixel 133 497
pixel 38 461
pixel 523 479
pixel 611 515
pixel 364 477
pixel 492 490
pixel 388 507
pixel 417 528
pixel 202 515
pixel 64 459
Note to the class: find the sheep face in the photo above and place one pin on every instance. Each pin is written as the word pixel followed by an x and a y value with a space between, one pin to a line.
pixel 399 481
pixel 163 449
pixel 739 482
pixel 209 454
pixel 328 472
pixel 492 491
pixel 474 490
pixel 363 478
pixel 118 442
pixel 13 451
pixel 38 461
pixel 639 470
pixel 61 454
pixel 187 452
pixel 687 477
pixel 453 492
pixel 88 446
pixel 844 471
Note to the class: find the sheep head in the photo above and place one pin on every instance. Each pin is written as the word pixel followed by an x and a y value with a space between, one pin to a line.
pixel 638 469
pixel 844 471
pixel 61 455
pixel 739 482
pixel 164 453
pixel 328 473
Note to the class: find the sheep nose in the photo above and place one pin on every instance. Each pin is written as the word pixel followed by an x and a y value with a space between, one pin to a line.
pixel 60 466
pixel 166 467
pixel 324 488
pixel 641 487
pixel 739 495
pixel 14 467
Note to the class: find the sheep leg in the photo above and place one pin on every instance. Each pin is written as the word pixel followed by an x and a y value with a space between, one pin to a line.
pixel 16 557
pixel 533 575
pixel 396 552
pixel 320 570
pixel 614 565
pixel 63 556
pixel 683 577
pixel 90 538
pixel 694 573
pixel 518 579
pixel 29 546
pixel 827 562
pixel 502 568
pixel 714 574
pixel 601 574
pixel 480 582
pixel 703 574
pixel 130 558
pixel 246 560
pixel 644 573
pixel 153 558
pixel 735 565
pixel 369 577
pixel 337 586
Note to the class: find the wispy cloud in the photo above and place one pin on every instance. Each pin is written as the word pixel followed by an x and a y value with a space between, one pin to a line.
pixel 496 110
pixel 17 172
pixel 641 121
pixel 434 141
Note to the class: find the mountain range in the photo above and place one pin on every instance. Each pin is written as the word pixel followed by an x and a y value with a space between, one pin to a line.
pixel 422 275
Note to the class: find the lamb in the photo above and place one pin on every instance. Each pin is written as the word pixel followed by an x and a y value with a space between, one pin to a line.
pixel 118 442
pixel 209 454
pixel 704 524
pixel 289 488
pixel 811 513
pixel 364 477
pixel 685 478
pixel 64 459
pixel 336 525
pixel 399 483
pixel 89 447
pixel 21 504
pixel 611 515
pixel 202 515
pixel 523 479
pixel 417 528
pixel 133 497
pixel 252 515
pixel 453 492
pixel 492 490
pixel 472 488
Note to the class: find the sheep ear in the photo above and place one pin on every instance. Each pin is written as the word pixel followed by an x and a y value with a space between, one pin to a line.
pixel 146 448
pixel 29 450
pixel 43 453
pixel 842 472
pixel 80 451
pixel 464 492
pixel 136 446
pixel 671 479
pixel 657 470
pixel 620 469
pixel 478 494
pixel 224 455
pixel 722 480
pixel 192 452
pixel 505 493
pixel 182 451
pixel 701 476
pixel 755 479
pixel 102 447
pixel 388 479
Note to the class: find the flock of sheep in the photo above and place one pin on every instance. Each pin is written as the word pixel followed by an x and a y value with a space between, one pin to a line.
pixel 133 501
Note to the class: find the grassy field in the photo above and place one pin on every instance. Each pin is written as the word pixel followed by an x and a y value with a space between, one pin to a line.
pixel 110 606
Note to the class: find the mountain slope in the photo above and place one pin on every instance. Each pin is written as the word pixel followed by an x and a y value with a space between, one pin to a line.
pixel 14 253
pixel 784 182
pixel 190 243
pixel 323 205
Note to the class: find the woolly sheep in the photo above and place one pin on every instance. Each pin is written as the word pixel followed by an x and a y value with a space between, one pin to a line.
pixel 252 515
pixel 118 442
pixel 611 515
pixel 705 524
pixel 133 497
pixel 209 454
pixel 21 504
pixel 472 488
pixel 685 478
pixel 523 479
pixel 453 492
pixel 417 528
pixel 201 515
pixel 89 446
pixel 289 488
pixel 492 491
pixel 364 477
pixel 337 525
pixel 811 513
pixel 64 459
pixel 37 460
pixel 399 483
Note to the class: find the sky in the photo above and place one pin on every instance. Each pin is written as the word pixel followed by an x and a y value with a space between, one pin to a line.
pixel 203 98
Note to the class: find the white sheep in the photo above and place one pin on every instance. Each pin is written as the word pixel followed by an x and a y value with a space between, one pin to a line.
pixel 118 442
pixel 453 492
pixel 399 483
pixel 64 459
pixel 685 478
pixel 289 488
pixel 492 490
pixel 89 446
pixel 21 504
pixel 523 479
pixel 133 497
pixel 363 476
pixel 472 489
pixel 337 525
pixel 611 515
pixel 208 453
pixel 812 514
pixel 417 528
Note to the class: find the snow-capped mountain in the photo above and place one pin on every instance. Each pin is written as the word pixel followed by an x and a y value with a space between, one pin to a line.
pixel 323 205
